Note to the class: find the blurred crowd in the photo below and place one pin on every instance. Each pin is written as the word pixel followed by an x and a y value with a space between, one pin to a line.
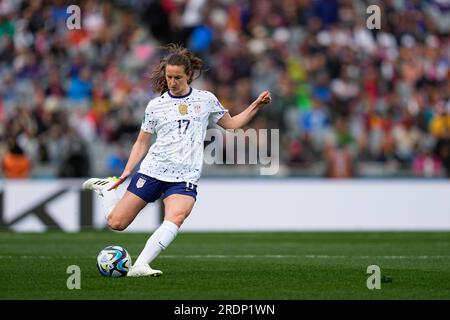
pixel 348 100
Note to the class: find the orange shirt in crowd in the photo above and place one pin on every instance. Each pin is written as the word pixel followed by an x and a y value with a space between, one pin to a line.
pixel 16 166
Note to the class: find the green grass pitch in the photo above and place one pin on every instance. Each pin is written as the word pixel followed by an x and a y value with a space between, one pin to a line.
pixel 303 265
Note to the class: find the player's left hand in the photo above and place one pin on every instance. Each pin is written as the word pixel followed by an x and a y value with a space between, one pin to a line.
pixel 120 180
pixel 263 98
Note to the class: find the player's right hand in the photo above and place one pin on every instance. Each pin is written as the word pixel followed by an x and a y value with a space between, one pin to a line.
pixel 120 180
pixel 263 98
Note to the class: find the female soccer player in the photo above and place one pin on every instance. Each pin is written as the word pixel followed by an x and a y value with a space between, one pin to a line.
pixel 172 166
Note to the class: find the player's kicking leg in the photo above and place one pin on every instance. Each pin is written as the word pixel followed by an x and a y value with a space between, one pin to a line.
pixel 120 213
pixel 100 186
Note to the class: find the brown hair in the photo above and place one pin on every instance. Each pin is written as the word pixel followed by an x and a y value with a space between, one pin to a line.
pixel 178 56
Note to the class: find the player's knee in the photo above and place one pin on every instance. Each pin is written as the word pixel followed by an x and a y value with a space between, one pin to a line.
pixel 116 224
pixel 178 219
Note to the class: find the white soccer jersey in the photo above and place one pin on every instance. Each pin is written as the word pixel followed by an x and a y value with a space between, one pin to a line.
pixel 180 125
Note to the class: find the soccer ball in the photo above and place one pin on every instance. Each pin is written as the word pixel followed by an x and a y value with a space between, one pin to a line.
pixel 113 261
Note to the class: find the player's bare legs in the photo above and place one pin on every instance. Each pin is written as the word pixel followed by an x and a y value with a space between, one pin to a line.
pixel 177 208
pixel 125 211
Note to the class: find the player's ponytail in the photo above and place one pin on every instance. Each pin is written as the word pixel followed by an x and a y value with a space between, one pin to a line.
pixel 178 56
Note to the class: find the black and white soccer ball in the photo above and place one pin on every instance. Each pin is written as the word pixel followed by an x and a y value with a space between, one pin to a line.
pixel 113 261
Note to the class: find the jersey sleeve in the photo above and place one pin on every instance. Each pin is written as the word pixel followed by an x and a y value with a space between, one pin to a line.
pixel 216 109
pixel 149 121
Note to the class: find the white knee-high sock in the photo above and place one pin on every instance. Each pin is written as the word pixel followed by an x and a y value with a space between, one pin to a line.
pixel 159 240
pixel 109 200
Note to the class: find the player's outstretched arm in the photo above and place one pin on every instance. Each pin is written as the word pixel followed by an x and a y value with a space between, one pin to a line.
pixel 240 120
pixel 139 150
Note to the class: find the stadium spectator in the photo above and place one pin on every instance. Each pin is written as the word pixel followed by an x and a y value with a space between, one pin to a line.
pixel 15 164
pixel 75 162
pixel 427 165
